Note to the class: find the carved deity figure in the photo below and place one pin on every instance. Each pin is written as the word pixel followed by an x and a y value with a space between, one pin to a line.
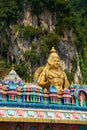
pixel 52 74
pixel 82 99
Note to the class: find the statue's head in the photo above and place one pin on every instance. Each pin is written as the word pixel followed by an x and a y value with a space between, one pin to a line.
pixel 53 59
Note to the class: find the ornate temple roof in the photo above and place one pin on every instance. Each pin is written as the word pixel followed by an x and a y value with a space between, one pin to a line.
pixel 12 75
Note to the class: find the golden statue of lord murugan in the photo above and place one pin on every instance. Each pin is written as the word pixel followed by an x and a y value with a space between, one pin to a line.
pixel 51 74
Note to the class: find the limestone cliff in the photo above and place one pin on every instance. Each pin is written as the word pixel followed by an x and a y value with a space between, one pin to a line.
pixel 13 43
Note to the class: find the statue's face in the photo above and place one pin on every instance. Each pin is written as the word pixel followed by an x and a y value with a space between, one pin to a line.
pixel 53 61
pixel 56 62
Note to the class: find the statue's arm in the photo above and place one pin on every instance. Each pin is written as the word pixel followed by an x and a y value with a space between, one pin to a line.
pixel 66 82
pixel 42 81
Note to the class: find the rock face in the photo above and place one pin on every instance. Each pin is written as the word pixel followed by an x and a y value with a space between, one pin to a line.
pixel 68 53
pixel 46 20
pixel 16 45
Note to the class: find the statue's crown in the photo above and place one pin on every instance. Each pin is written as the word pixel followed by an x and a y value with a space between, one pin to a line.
pixel 53 50
pixel 53 53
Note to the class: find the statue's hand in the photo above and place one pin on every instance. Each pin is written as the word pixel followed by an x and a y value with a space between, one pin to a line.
pixel 50 80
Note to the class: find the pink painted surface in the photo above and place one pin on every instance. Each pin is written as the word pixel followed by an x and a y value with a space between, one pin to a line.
pixel 59 115
pixel 20 113
pixel 1 112
pixel 40 114
pixel 75 115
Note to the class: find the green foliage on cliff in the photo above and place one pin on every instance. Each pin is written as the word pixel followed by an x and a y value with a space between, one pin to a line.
pixel 10 12
pixel 32 58
pixel 21 70
pixel 30 31
pixel 52 39
pixel 4 68
pixel 80 29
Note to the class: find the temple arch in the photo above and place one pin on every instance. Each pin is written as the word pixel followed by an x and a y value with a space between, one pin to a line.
pixel 32 128
pixel 18 127
pixel 47 128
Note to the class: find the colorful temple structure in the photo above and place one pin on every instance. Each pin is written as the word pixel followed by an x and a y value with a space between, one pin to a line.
pixel 28 106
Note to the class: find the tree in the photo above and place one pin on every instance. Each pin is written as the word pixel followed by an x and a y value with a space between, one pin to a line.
pixel 10 12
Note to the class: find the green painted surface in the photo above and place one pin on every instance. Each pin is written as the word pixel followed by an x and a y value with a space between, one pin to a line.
pixel 83 127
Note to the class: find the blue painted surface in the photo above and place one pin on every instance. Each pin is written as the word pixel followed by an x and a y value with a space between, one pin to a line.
pixel 53 89
pixel 42 106
pixel 12 85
